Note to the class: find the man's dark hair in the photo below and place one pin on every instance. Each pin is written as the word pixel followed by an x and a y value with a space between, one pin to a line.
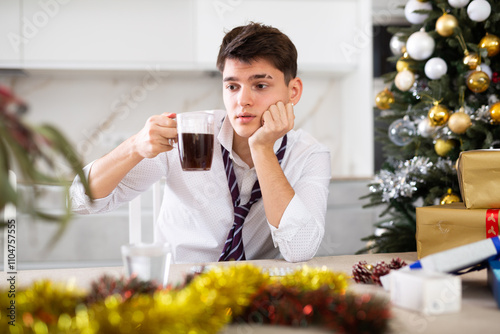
pixel 257 41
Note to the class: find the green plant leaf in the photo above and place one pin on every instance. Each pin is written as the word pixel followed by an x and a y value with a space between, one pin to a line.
pixel 61 146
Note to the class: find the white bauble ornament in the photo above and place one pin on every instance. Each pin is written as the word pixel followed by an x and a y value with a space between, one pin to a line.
pixel 396 44
pixel 479 10
pixel 458 3
pixel 420 45
pixel 435 68
pixel 413 5
pixel 425 128
pixel 404 80
pixel 486 69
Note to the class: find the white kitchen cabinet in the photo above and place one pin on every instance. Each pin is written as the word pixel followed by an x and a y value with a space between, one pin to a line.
pixel 321 30
pixel 111 34
pixel 181 34
pixel 10 34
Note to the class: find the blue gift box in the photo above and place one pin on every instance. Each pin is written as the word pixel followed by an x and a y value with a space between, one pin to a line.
pixel 494 278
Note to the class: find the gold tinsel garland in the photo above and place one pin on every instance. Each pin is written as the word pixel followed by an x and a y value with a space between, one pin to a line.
pixel 208 303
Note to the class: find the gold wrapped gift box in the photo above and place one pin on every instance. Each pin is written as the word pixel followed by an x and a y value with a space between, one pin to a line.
pixel 479 177
pixel 441 227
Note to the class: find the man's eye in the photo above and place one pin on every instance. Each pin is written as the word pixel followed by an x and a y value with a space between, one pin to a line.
pixel 261 86
pixel 231 87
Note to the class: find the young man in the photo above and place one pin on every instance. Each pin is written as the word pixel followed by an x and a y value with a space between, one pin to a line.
pixel 203 216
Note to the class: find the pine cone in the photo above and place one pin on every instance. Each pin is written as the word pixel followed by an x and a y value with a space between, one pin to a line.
pixel 380 269
pixel 368 274
pixel 362 273
pixel 397 263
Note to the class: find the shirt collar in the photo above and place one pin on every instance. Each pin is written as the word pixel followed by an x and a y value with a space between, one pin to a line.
pixel 225 135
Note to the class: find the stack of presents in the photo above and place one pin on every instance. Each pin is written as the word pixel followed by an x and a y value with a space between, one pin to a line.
pixel 443 227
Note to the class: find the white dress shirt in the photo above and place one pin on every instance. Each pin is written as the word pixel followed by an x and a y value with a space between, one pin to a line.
pixel 197 212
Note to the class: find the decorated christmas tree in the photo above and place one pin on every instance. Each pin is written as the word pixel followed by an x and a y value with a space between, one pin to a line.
pixel 443 99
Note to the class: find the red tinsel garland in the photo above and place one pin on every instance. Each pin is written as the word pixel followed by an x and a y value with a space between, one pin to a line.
pixel 280 305
pixel 343 313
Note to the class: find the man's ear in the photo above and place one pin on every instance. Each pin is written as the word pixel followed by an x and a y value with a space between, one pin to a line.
pixel 295 90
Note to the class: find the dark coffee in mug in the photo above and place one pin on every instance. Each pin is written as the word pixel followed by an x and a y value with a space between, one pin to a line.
pixel 196 151
pixel 195 140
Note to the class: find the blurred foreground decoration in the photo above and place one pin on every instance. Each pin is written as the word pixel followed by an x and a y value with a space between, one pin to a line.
pixel 238 295
pixel 38 154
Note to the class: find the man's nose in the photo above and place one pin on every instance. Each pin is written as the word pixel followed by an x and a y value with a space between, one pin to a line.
pixel 245 97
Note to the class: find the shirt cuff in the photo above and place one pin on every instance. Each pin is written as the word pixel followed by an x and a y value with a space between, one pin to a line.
pixel 80 201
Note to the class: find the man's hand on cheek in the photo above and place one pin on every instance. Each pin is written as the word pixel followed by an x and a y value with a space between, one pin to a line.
pixel 276 122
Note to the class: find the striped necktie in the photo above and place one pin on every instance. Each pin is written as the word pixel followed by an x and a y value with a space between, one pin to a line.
pixel 233 248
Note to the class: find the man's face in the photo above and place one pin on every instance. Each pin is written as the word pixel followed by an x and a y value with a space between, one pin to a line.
pixel 249 90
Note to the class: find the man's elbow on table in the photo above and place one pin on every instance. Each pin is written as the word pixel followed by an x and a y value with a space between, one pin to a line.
pixel 300 257
pixel 294 252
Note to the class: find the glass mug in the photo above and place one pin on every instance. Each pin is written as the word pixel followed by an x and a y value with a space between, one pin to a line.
pixel 195 140
pixel 147 261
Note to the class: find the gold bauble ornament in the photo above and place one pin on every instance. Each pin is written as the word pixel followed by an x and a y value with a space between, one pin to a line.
pixel 471 59
pixel 444 146
pixel 459 122
pixel 402 64
pixel 449 197
pixel 490 43
pixel 478 81
pixel 384 99
pixel 369 267
pixel 438 115
pixel 445 25
pixel 495 113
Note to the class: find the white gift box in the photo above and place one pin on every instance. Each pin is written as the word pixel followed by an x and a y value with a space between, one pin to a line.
pixel 424 291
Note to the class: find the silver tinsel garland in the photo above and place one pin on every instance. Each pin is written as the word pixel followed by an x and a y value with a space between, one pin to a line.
pixel 481 114
pixel 407 174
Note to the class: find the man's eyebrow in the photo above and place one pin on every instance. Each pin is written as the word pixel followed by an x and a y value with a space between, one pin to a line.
pixel 252 77
pixel 260 76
